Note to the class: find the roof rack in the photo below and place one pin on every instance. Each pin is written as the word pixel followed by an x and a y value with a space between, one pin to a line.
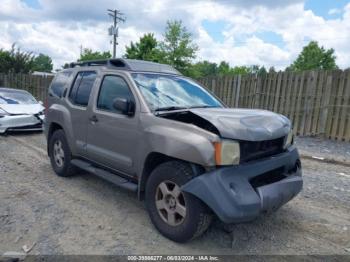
pixel 128 64
pixel 99 62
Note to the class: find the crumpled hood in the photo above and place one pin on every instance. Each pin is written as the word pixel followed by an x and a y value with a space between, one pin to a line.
pixel 245 124
pixel 17 109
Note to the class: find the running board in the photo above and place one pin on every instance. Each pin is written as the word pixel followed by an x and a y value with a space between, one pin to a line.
pixel 113 178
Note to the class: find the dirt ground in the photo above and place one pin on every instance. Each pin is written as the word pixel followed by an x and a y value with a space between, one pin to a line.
pixel 86 215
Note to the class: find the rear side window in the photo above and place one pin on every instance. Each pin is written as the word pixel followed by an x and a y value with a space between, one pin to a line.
pixel 112 87
pixel 59 83
pixel 81 89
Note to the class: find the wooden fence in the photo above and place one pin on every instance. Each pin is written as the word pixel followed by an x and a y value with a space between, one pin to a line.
pixel 317 102
pixel 36 85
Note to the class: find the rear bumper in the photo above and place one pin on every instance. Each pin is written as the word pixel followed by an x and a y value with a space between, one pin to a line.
pixel 20 123
pixel 240 193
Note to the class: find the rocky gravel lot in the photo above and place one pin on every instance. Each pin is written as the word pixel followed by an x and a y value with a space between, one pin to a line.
pixel 86 215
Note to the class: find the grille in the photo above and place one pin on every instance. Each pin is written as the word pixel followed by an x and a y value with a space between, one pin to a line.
pixel 268 178
pixel 260 149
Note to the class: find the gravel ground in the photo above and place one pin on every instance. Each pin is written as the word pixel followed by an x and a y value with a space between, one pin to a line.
pixel 330 149
pixel 86 215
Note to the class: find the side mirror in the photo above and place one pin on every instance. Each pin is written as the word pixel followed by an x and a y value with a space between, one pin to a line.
pixel 125 106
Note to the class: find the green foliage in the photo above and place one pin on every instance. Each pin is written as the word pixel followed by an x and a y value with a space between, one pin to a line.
pixel 145 49
pixel 178 48
pixel 203 69
pixel 88 54
pixel 241 70
pixel 314 57
pixel 206 68
pixel 272 69
pixel 5 61
pixel 224 68
pixel 16 60
pixel 42 63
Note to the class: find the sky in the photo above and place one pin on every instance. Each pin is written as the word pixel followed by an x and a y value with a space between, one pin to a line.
pixel 241 32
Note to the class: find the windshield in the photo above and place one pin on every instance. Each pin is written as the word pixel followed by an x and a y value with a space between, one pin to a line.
pixel 168 92
pixel 16 97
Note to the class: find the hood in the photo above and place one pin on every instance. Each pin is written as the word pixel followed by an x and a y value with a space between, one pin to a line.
pixel 245 124
pixel 22 109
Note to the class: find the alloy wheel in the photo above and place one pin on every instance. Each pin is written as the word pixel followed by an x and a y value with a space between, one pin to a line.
pixel 170 203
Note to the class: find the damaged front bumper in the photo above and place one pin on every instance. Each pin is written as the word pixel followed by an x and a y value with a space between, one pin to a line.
pixel 240 193
pixel 21 123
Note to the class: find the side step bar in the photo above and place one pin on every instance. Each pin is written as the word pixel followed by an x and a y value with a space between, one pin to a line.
pixel 113 178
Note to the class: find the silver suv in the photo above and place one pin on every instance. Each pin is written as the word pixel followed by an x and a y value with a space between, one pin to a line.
pixel 146 128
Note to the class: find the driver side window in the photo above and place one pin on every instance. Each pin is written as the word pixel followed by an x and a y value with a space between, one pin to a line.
pixel 113 87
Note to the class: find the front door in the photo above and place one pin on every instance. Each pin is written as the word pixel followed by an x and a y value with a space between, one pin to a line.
pixel 113 137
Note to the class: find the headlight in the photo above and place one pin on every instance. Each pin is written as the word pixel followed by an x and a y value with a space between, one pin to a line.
pixel 289 140
pixel 227 152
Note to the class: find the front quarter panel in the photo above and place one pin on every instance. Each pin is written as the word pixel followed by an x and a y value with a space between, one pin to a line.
pixel 60 115
pixel 178 140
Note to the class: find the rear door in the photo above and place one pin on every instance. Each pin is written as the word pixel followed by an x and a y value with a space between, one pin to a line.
pixel 113 137
pixel 78 99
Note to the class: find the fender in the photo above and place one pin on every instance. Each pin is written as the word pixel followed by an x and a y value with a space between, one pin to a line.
pixel 60 115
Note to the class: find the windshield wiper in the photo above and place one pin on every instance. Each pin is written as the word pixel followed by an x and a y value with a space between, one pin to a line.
pixel 203 106
pixel 170 108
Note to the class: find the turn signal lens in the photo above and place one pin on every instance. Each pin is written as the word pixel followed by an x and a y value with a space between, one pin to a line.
pixel 289 140
pixel 227 152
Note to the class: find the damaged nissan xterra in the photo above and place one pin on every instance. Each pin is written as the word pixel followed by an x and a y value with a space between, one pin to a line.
pixel 145 127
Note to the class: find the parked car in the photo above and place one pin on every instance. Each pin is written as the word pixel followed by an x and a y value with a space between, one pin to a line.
pixel 19 111
pixel 145 127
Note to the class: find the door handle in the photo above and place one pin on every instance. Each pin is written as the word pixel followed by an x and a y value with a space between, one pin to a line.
pixel 93 119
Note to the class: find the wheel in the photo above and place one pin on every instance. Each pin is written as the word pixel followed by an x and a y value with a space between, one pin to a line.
pixel 177 215
pixel 60 154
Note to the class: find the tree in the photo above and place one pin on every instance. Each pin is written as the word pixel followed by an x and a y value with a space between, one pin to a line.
pixel 145 49
pixel 5 61
pixel 203 69
pixel 178 48
pixel 272 70
pixel 88 54
pixel 314 57
pixel 15 60
pixel 224 68
pixel 241 70
pixel 42 63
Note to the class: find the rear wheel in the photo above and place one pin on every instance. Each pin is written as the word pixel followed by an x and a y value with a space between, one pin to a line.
pixel 60 154
pixel 178 215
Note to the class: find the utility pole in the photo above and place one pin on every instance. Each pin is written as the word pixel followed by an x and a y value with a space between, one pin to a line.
pixel 113 30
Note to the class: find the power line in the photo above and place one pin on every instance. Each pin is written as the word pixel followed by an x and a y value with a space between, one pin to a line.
pixel 113 30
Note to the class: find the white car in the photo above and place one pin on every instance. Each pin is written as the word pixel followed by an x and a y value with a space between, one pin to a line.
pixel 19 111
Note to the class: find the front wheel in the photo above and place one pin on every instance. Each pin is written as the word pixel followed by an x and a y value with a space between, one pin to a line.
pixel 178 215
pixel 60 154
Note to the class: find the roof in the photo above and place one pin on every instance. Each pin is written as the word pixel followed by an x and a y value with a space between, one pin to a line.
pixel 130 65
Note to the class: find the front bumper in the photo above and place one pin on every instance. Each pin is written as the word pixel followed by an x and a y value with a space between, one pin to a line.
pixel 21 123
pixel 240 193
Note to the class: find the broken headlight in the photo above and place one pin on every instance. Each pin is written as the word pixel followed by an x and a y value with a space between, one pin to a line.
pixel 227 152
pixel 289 139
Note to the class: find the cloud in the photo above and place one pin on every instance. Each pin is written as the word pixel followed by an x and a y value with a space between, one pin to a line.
pixel 334 11
pixel 58 28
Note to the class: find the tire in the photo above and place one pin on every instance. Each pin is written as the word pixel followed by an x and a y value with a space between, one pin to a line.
pixel 65 168
pixel 197 216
